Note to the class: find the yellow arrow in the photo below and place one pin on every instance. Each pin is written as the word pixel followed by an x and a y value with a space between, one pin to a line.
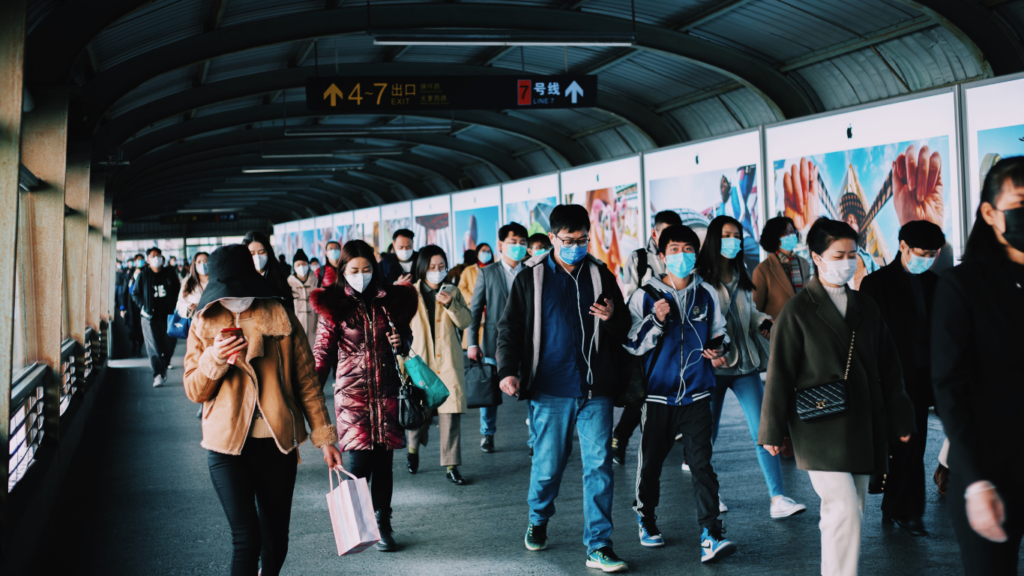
pixel 334 93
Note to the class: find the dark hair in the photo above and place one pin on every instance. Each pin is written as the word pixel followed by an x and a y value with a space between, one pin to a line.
pixel 276 276
pixel 427 254
pixel 483 245
pixel 539 238
pixel 569 218
pixel 328 245
pixel 469 257
pixel 709 261
pixel 137 256
pixel 405 232
pixel 391 248
pixel 512 228
pixel 355 249
pixel 669 217
pixel 774 229
pixel 680 233
pixel 825 232
pixel 982 242
pixel 154 249
pixel 193 276
pixel 923 234
pixel 314 259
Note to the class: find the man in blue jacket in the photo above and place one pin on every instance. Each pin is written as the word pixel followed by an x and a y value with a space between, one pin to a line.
pixel 678 335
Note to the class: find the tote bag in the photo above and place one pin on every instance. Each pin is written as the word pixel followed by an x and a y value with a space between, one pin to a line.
pixel 351 509
pixel 423 377
pixel 482 383
pixel 177 327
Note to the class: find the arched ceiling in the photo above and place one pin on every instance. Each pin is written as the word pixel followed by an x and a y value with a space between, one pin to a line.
pixel 189 92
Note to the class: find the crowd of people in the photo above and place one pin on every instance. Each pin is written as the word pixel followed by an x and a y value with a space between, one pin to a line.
pixel 841 379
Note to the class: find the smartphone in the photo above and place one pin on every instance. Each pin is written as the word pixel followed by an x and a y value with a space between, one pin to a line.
pixel 228 332
pixel 715 343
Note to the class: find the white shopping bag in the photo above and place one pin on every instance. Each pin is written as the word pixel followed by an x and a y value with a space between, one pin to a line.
pixel 355 527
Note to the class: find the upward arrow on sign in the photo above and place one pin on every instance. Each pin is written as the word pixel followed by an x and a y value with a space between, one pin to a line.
pixel 574 90
pixel 335 93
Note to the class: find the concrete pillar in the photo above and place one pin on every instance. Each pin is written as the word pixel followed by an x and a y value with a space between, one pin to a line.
pixel 44 152
pixel 76 239
pixel 97 271
pixel 107 306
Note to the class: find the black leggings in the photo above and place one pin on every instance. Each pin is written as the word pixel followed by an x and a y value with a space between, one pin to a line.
pixel 255 489
pixel 376 466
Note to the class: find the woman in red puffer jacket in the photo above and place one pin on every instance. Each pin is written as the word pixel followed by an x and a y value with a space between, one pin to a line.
pixel 355 339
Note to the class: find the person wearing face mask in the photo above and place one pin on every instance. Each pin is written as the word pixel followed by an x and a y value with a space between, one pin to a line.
pixel 678 335
pixel 267 264
pixel 303 282
pixel 363 323
pixel 400 266
pixel 256 388
pixel 193 286
pixel 130 310
pixel 468 279
pixel 538 244
pixel 976 343
pixel 782 274
pixel 905 293
pixel 314 266
pixel 720 264
pixel 328 274
pixel 493 285
pixel 559 347
pixel 155 293
pixel 441 314
pixel 829 333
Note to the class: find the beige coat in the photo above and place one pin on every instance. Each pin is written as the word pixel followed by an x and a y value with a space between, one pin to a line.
pixel 303 309
pixel 443 353
pixel 277 376
pixel 772 286
pixel 467 282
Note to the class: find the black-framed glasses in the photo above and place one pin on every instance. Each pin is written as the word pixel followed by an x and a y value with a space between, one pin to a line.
pixel 581 242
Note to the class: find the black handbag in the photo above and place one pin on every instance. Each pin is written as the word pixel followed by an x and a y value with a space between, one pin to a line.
pixel 826 400
pixel 412 413
pixel 482 384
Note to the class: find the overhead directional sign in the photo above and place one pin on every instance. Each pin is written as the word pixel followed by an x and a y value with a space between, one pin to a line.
pixel 355 95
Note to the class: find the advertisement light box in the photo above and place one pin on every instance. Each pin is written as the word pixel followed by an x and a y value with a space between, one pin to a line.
pixel 431 223
pixel 477 218
pixel 995 129
pixel 366 227
pixel 530 201
pixel 394 217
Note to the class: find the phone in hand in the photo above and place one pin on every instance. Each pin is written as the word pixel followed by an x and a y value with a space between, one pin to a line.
pixel 229 332
pixel 715 343
pixel 766 325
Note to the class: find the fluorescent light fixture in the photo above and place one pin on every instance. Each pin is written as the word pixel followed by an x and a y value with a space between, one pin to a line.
pixel 336 153
pixel 263 170
pixel 343 130
pixel 300 168
pixel 502 38
pixel 257 178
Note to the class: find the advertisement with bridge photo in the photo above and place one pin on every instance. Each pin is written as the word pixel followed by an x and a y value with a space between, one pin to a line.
pixel 876 189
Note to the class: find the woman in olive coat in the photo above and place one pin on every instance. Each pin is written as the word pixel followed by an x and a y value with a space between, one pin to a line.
pixel 810 345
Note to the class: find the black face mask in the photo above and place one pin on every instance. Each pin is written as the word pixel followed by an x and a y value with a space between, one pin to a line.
pixel 1014 232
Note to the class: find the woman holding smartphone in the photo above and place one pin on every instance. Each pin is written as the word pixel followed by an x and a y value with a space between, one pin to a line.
pixel 241 335
pixel 441 314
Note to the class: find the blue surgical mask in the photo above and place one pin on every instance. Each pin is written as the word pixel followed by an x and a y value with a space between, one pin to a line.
pixel 540 252
pixel 572 254
pixel 681 264
pixel 919 264
pixel 484 257
pixel 515 251
pixel 731 247
pixel 333 255
pixel 788 243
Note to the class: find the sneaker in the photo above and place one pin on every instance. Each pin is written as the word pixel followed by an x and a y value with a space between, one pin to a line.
pixel 714 547
pixel 686 467
pixel 721 506
pixel 618 451
pixel 679 437
pixel 487 443
pixel 606 560
pixel 650 536
pixel 784 506
pixel 159 381
pixel 537 537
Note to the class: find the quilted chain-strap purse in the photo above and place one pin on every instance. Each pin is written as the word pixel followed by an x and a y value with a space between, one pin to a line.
pixel 826 400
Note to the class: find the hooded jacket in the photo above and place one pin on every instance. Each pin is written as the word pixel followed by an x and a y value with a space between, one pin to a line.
pixel 680 374
pixel 352 340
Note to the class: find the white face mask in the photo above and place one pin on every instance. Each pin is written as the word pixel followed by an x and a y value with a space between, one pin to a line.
pixel 301 270
pixel 404 255
pixel 315 267
pixel 358 282
pixel 236 305
pixel 156 261
pixel 837 272
pixel 201 268
pixel 260 261
pixel 436 277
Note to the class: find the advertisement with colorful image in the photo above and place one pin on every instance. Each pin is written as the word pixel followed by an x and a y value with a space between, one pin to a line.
pixel 530 202
pixel 994 128
pixel 431 224
pixel 366 227
pixel 477 226
pixel 995 144
pixel 394 217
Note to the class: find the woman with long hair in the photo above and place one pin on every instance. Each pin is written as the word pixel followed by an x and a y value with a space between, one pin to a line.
pixel 193 286
pixel 363 323
pixel 976 334
pixel 720 264
pixel 441 314
pixel 302 282
pixel 266 263
pixel 467 279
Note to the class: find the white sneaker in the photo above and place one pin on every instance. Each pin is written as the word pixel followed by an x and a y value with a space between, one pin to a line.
pixel 679 437
pixel 785 506
pixel 158 381
pixel 721 506
pixel 686 467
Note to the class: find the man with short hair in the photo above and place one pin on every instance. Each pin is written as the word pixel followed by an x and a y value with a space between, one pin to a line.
pixel 538 244
pixel 559 346
pixel 156 293
pixel 493 285
pixel 400 267
pixel 905 291
pixel 329 274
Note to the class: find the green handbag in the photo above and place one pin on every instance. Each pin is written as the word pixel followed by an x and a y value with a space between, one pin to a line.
pixel 424 378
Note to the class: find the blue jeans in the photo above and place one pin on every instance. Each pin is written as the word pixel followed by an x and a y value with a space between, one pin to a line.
pixel 749 391
pixel 552 420
pixel 488 420
pixel 529 416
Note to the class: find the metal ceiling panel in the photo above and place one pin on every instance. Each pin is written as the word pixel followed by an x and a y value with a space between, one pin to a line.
pixel 263 59
pixel 236 104
pixel 158 125
pixel 657 12
pixel 539 162
pixel 552 59
pixel 705 118
pixel 566 120
pixel 155 89
pixel 495 138
pixel 158 24
pixel 652 79
pixel 1013 14
pixel 481 174
pixel 38 10
pixel 252 10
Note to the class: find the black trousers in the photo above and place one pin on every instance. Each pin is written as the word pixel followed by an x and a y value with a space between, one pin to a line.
pixel 905 484
pixel 255 489
pixel 376 466
pixel 659 425
pixel 628 422
pixel 981 557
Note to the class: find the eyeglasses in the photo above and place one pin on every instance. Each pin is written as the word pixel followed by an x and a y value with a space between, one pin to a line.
pixel 581 242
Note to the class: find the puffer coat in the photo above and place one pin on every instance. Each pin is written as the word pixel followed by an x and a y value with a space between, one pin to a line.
pixel 352 339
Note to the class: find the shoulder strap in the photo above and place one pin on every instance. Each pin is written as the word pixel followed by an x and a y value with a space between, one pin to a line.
pixel 641 265
pixel 849 358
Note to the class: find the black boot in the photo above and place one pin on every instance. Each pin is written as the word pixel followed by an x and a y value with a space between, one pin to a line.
pixel 412 462
pixel 387 541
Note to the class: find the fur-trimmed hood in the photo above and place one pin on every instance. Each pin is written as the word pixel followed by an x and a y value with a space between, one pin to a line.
pixel 271 320
pixel 337 302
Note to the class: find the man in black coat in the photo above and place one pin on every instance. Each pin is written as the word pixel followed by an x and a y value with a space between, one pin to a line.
pixel 156 293
pixel 400 266
pixel 905 292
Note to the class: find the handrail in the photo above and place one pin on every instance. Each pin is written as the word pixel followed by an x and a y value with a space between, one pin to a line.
pixel 28 399
pixel 70 381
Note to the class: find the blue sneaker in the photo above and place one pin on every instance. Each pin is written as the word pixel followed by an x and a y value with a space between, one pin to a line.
pixel 606 560
pixel 650 536
pixel 714 547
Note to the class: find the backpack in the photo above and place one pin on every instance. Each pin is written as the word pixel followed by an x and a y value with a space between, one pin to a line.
pixel 634 393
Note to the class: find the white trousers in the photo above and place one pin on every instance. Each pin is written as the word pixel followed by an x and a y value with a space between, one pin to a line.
pixel 842 512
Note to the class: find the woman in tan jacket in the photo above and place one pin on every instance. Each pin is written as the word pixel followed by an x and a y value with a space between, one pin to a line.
pixel 783 274
pixel 255 390
pixel 441 314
